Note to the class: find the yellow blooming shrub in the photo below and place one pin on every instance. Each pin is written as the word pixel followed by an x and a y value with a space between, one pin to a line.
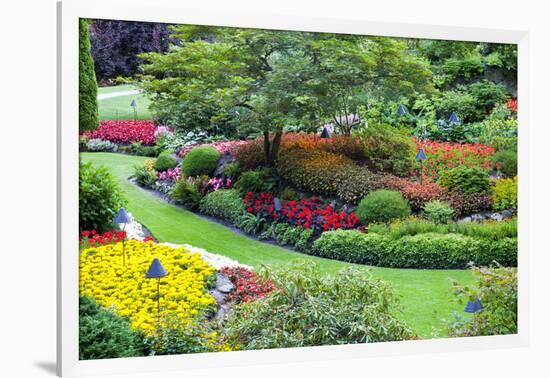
pixel 125 289
pixel 150 164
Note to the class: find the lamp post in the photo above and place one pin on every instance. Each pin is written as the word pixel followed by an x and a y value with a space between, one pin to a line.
pixel 156 270
pixel 122 218
pixel 325 134
pixel 421 156
pixel 401 110
pixel 473 306
pixel 454 118
pixel 277 204
pixel 133 104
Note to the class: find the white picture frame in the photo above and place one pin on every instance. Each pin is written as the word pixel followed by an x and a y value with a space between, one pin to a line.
pixel 69 11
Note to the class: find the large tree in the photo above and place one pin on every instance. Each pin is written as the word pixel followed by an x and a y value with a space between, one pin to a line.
pixel 88 114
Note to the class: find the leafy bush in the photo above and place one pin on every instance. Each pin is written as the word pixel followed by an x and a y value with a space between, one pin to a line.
pixel 99 145
pixel 249 285
pixel 100 197
pixel 249 155
pixel 382 206
pixel 506 162
pixel 232 170
pixel 468 203
pixel 186 193
pixel 466 180
pixel 165 161
pixel 259 180
pixel 125 131
pixel 505 194
pixel 103 334
pixel 423 251
pixel 388 150
pixel 312 309
pixel 497 290
pixel 438 212
pixel 295 236
pixel 144 176
pixel 416 193
pixel 224 203
pixel 200 161
pixel 492 230
pixel 137 148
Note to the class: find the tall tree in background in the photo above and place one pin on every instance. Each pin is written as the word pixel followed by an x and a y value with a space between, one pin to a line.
pixel 88 114
pixel 117 44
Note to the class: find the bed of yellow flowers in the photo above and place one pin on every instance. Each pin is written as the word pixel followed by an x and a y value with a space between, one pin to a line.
pixel 124 288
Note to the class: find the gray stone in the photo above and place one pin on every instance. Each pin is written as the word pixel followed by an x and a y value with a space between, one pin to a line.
pixel 224 160
pixel 496 217
pixel 465 220
pixel 223 284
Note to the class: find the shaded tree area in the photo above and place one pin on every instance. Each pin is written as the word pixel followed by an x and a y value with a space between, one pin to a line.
pixel 88 117
pixel 117 44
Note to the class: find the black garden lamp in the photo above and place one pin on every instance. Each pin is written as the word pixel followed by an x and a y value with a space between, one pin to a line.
pixel 277 204
pixel 473 306
pixel 421 156
pixel 122 218
pixel 325 134
pixel 401 110
pixel 156 270
pixel 133 104
pixel 454 118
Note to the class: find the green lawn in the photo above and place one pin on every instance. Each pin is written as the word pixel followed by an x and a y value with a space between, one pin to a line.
pixel 426 294
pixel 119 107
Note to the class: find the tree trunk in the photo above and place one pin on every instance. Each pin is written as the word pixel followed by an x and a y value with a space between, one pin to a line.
pixel 267 147
pixel 275 145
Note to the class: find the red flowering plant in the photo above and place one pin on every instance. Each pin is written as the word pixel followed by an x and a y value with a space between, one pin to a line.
pixel 513 104
pixel 249 285
pixel 448 155
pixel 91 238
pixel 309 213
pixel 125 131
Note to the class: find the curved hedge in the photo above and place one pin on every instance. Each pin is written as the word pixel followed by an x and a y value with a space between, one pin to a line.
pixel 424 251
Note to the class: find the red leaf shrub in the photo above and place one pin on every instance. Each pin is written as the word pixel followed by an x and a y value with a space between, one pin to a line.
pixel 465 204
pixel 447 155
pixel 125 132
pixel 416 193
pixel 309 213
pixel 93 239
pixel 249 285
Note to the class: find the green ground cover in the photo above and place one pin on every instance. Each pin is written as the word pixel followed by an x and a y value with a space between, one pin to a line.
pixel 426 294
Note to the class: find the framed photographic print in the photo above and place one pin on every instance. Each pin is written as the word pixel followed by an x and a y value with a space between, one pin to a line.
pixel 278 189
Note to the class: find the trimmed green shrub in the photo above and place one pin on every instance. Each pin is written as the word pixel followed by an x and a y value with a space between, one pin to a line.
pixel 505 194
pixel 103 334
pixel 88 117
pixel 497 290
pixel 438 211
pixel 313 309
pixel 382 206
pixel 165 161
pixel 186 193
pixel 100 197
pixel 232 170
pixel 423 251
pixel 388 150
pixel 259 180
pixel 223 203
pixel 200 161
pixel 466 180
pixel 507 162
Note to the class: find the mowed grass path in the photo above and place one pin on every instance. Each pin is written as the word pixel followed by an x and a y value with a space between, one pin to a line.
pixel 115 108
pixel 426 295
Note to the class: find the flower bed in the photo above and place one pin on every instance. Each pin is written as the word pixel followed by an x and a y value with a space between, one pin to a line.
pixel 125 131
pixel 93 239
pixel 226 146
pixel 183 291
pixel 249 286
pixel 307 213
pixel 447 155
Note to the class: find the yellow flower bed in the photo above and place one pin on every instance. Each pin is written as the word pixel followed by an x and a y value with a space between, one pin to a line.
pixel 183 291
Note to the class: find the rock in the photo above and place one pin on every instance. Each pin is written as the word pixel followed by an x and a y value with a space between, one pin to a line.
pixel 218 296
pixel 223 284
pixel 465 220
pixel 496 217
pixel 224 160
pixel 507 213
pixel 477 217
